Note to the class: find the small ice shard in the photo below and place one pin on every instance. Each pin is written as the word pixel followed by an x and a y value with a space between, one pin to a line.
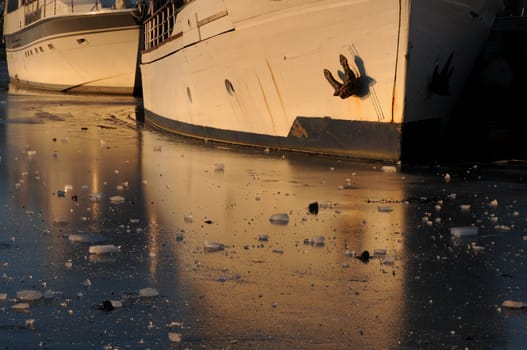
pixel 103 249
pixel 379 252
pixel 28 295
pixel 219 167
pixel 493 203
pixel 60 222
pixel 388 260
pixel 279 219
pixel 512 304
pixel 263 237
pixel 463 231
pixel 96 197
pixel 385 209
pixel 148 292
pixel 30 323
pixel 86 238
pixel 464 207
pixel 188 218
pixel 389 169
pixel 86 282
pixel 116 304
pixel 317 241
pixel 3 296
pixel 117 199
pixel 174 337
pixel 212 246
pixel 20 306
pixel 502 228
pixel 447 177
pixel 68 264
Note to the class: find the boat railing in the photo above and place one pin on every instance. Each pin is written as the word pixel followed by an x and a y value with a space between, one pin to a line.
pixel 38 9
pixel 160 23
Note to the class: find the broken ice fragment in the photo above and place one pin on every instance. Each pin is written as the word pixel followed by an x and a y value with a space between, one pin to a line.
pixel 174 337
pixel 389 169
pixel 86 238
pixel 117 199
pixel 279 219
pixel 30 323
pixel 28 295
pixel 211 246
pixel 148 292
pixel 513 304
pixel 464 231
pixel 20 306
pixel 103 249
pixel 385 209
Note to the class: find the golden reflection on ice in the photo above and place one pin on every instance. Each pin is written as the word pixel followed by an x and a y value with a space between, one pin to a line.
pixel 282 286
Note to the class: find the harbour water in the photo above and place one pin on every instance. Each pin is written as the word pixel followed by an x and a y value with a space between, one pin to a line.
pixel 192 222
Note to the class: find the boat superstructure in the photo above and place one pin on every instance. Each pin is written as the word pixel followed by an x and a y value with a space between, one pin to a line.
pixel 73 45
pixel 362 78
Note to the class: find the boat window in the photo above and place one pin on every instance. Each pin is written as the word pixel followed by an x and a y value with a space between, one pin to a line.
pixel 12 5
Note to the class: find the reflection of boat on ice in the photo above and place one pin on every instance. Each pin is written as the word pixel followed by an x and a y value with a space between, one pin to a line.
pixel 369 79
pixel 72 45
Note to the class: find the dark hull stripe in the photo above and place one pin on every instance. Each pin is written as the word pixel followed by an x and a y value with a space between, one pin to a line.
pixel 315 135
pixel 72 23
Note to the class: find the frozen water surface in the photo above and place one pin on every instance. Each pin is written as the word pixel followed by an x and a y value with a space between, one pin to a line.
pixel 376 266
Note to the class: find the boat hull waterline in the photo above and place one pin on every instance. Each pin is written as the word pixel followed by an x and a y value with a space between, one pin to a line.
pixel 372 79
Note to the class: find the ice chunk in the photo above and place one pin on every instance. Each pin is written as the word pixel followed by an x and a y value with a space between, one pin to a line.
pixel 86 238
pixel 116 304
pixel 464 207
pixel 447 177
pixel 385 209
pixel 388 260
pixel 379 252
pixel 389 169
pixel 117 199
pixel 279 219
pixel 104 249
pixel 317 241
pixel 20 306
pixel 188 218
pixel 3 296
pixel 28 295
pixel 30 323
pixel 174 337
pixel 464 231
pixel 513 304
pixel 219 167
pixel 212 246
pixel 493 203
pixel 148 293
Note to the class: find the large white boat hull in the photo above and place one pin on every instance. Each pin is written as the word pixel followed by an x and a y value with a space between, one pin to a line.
pixel 95 52
pixel 257 74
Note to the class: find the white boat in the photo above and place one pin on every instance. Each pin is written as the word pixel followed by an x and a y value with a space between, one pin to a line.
pixel 372 79
pixel 72 46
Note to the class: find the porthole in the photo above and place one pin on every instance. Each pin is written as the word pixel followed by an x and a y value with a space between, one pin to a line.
pixel 189 94
pixel 229 87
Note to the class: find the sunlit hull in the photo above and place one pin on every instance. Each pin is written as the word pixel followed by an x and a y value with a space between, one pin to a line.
pixel 89 52
pixel 253 73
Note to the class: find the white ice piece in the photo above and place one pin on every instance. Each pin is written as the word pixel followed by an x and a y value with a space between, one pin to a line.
pixel 279 219
pixel 104 249
pixel 20 306
pixel 389 169
pixel 28 295
pixel 148 292
pixel 174 337
pixel 464 231
pixel 513 304
pixel 117 199
pixel 212 246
